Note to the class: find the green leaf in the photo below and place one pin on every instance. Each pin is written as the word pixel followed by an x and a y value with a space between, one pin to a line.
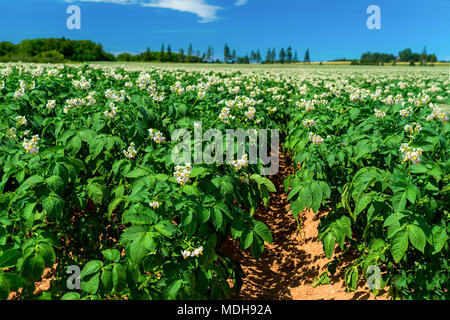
pixel 172 289
pixel 362 203
pixel 107 279
pixel 28 214
pixel 119 278
pixel 32 267
pixel 9 258
pixel 111 254
pixel 440 237
pixel 166 228
pixel 91 267
pixel 138 250
pixel 136 173
pixel 257 246
pixel 399 201
pixel 216 218
pixel 56 184
pixel 71 296
pixel 399 245
pixel 47 252
pixel 95 192
pixel 328 245
pixel 53 205
pixel 417 237
pixel 246 239
pixel 91 283
pixel 4 287
pixel 305 197
pixel 316 192
pixel 263 231
pixel 412 194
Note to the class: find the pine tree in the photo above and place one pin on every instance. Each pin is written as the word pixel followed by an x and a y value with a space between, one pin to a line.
pixel 424 57
pixel 274 56
pixel 282 55
pixel 169 53
pixel 208 54
pixel 295 57
pixel 181 55
pixel 189 53
pixel 307 59
pixel 162 53
pixel 226 53
pixel 289 54
pixel 268 56
pixel 258 56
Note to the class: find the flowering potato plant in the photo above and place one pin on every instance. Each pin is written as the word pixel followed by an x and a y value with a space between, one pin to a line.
pixel 376 158
pixel 88 181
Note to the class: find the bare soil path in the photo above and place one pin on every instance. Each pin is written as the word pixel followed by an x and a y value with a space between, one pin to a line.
pixel 289 266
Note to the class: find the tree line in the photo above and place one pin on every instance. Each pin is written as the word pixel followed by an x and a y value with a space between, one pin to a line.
pixel 53 50
pixel 61 50
pixel 406 55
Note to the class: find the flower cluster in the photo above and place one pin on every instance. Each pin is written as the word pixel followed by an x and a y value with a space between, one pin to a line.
pixel 194 253
pixel 380 113
pixel 309 123
pixel 250 113
pixel 183 173
pixel 225 115
pixel 437 113
pixel 117 96
pixel 51 104
pixel 111 114
pixel 12 133
pixel 415 128
pixel 154 204
pixel 82 83
pixel 131 152
pixel 21 121
pixel 157 136
pixel 316 139
pixel 410 153
pixel 241 163
pixel 404 113
pixel 31 145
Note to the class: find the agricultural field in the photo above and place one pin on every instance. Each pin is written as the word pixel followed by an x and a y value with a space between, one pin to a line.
pixel 88 181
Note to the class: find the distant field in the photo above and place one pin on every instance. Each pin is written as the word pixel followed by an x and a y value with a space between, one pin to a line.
pixel 276 67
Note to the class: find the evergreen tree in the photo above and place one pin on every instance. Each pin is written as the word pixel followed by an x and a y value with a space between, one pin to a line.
pixel 289 54
pixel 274 56
pixel 189 53
pixel 162 53
pixel 268 56
pixel 282 55
pixel 181 55
pixel 169 53
pixel 306 60
pixel 258 56
pixel 424 57
pixel 233 56
pixel 226 53
pixel 208 54
pixel 295 57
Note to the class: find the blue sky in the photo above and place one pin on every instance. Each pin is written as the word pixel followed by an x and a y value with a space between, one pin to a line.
pixel 331 29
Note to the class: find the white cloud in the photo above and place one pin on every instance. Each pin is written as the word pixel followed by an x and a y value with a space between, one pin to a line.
pixel 107 1
pixel 203 10
pixel 240 2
